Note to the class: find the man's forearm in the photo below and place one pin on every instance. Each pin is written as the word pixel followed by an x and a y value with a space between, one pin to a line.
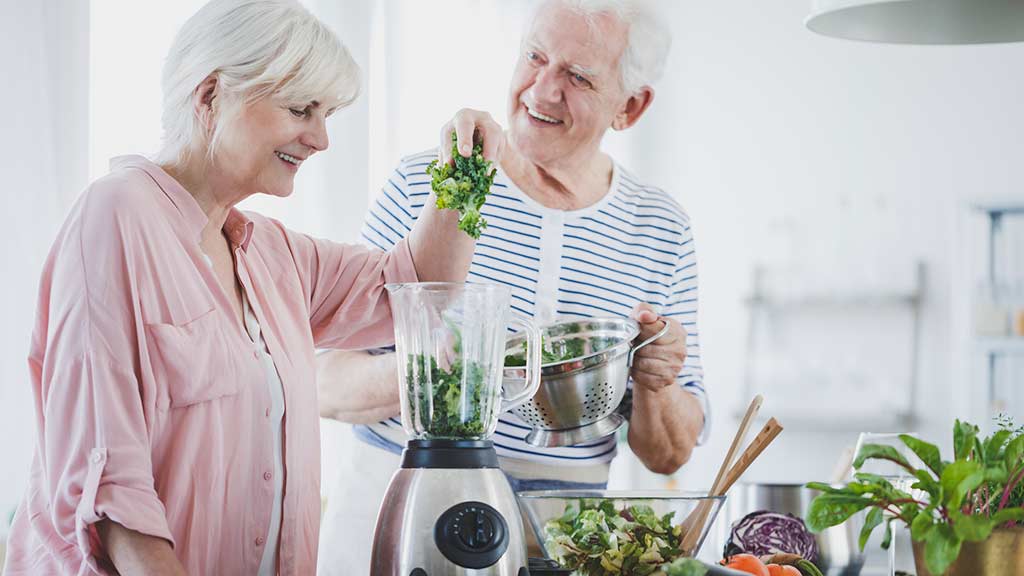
pixel 134 553
pixel 664 427
pixel 357 387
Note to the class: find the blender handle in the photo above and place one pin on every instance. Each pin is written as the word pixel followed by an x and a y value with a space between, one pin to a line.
pixel 532 381
pixel 662 332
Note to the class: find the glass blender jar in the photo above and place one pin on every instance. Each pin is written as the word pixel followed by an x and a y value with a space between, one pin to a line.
pixel 450 340
pixel 449 509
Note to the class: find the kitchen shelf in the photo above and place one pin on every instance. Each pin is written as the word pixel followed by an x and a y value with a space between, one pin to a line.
pixel 994 348
pixel 996 345
pixel 835 301
pixel 891 303
pixel 825 423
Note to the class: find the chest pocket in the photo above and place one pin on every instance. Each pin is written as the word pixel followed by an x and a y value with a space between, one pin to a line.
pixel 193 361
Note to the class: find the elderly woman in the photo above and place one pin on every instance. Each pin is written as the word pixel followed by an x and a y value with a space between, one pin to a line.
pixel 172 359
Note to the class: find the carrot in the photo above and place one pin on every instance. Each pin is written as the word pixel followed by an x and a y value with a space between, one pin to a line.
pixel 747 563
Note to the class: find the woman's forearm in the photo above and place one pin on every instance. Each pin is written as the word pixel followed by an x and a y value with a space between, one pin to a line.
pixel 134 553
pixel 357 387
pixel 440 251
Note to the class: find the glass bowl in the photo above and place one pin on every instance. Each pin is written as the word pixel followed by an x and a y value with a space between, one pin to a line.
pixel 543 506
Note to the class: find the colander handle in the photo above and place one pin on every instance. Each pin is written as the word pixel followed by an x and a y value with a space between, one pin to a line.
pixel 662 332
pixel 532 380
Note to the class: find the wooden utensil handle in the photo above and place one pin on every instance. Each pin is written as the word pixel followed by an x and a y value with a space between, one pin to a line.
pixel 768 433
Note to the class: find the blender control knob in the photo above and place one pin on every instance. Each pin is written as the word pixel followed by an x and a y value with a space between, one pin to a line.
pixel 471 535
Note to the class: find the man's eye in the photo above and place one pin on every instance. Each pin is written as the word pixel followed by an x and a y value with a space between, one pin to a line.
pixel 299 113
pixel 580 81
pixel 530 55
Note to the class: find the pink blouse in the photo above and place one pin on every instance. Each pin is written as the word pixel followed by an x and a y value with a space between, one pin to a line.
pixel 150 399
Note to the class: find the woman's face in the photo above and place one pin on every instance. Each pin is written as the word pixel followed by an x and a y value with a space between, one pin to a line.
pixel 267 143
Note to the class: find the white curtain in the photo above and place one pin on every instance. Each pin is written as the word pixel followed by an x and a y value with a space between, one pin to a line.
pixel 44 147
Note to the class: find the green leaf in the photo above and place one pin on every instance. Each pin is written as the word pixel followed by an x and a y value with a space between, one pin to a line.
pixel 1014 452
pixel 829 510
pixel 996 472
pixel 994 445
pixel 887 536
pixel 822 487
pixel 923 524
pixel 871 521
pixel 973 528
pixel 927 452
pixel 1008 515
pixel 964 436
pixel 928 484
pixel 941 549
pixel 880 452
pixel 958 479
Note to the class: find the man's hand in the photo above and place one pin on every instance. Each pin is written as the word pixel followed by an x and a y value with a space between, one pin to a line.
pixel 465 123
pixel 656 365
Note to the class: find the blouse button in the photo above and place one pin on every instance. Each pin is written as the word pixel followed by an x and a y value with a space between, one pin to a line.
pixel 267 476
pixel 260 540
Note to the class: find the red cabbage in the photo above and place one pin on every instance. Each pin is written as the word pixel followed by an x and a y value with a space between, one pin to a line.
pixel 762 533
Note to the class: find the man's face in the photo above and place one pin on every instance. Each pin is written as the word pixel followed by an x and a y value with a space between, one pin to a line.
pixel 566 89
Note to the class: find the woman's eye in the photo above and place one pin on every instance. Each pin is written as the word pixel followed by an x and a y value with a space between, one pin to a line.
pixel 299 113
pixel 532 55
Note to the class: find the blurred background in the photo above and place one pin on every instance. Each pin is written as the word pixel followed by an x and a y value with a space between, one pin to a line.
pixel 858 208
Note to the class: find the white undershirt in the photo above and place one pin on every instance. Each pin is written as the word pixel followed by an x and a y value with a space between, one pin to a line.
pixel 268 565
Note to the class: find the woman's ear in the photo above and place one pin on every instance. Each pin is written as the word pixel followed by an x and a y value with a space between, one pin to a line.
pixel 634 108
pixel 203 101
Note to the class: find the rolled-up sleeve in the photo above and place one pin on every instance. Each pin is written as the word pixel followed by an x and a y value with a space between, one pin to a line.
pixel 98 452
pixel 344 284
pixel 94 455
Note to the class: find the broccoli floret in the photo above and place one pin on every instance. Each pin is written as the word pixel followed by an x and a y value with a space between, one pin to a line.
pixel 464 186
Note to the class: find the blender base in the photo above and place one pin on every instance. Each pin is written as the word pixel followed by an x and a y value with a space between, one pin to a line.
pixel 545 438
pixel 449 511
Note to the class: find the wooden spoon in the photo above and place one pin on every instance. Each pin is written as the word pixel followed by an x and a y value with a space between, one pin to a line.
pixel 695 520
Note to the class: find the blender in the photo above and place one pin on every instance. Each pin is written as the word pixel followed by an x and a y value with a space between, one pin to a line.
pixel 449 510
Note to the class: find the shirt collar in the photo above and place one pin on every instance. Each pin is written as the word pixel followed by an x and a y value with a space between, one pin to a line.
pixel 238 227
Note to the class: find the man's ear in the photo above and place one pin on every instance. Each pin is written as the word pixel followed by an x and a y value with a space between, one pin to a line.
pixel 203 100
pixel 634 108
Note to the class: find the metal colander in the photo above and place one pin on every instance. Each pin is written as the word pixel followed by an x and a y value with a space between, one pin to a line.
pixel 578 396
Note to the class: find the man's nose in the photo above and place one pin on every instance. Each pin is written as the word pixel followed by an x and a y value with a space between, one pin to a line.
pixel 547 87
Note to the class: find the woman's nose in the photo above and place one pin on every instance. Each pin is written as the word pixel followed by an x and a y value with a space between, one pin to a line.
pixel 316 137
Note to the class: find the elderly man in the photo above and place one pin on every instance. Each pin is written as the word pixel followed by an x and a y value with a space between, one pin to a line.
pixel 573 233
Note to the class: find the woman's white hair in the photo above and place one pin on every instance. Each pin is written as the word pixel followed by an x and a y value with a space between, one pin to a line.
pixel 648 42
pixel 255 49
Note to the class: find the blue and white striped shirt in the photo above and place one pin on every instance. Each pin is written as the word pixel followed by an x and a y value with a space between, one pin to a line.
pixel 632 246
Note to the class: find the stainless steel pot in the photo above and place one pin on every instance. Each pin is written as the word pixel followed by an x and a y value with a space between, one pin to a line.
pixel 838 553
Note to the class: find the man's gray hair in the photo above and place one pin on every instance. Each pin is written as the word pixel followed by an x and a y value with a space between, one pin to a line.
pixel 648 42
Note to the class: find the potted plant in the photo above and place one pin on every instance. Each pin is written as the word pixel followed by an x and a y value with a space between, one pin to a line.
pixel 966 517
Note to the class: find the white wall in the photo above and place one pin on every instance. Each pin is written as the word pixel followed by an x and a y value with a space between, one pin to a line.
pixel 44 113
pixel 794 150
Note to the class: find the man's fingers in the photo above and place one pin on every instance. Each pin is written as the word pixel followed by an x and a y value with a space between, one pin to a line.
pixel 494 140
pixel 464 128
pixel 444 150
